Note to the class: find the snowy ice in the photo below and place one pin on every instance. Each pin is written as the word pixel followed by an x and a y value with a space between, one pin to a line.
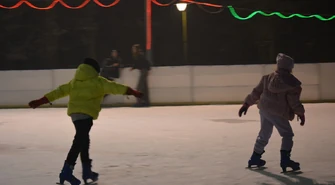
pixel 186 145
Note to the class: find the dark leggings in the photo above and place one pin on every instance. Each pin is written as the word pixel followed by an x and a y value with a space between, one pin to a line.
pixel 81 142
pixel 142 86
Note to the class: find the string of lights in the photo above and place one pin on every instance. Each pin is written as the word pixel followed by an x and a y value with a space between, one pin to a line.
pixel 234 13
pixel 166 4
pixel 186 1
pixel 200 4
pixel 53 4
pixel 237 16
pixel 211 12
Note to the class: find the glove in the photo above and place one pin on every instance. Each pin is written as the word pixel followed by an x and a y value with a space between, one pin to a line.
pixel 243 109
pixel 36 103
pixel 133 92
pixel 302 119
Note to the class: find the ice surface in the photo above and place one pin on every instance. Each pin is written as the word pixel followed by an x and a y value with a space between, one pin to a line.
pixel 190 145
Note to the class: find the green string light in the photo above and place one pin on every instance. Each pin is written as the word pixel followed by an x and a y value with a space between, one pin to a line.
pixel 233 12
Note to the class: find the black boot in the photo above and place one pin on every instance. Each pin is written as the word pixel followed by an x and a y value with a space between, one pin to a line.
pixel 256 160
pixel 88 173
pixel 67 175
pixel 287 162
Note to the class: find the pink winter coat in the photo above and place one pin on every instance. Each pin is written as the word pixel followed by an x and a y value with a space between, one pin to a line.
pixel 278 93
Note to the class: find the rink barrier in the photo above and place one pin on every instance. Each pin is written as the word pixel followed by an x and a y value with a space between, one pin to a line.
pixel 184 85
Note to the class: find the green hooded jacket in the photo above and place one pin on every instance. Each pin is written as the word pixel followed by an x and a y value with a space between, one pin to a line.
pixel 86 91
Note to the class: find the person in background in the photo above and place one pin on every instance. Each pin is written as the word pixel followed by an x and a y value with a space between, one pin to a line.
pixel 278 97
pixel 111 66
pixel 144 66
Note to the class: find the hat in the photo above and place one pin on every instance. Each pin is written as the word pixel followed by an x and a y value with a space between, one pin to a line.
pixel 93 63
pixel 284 62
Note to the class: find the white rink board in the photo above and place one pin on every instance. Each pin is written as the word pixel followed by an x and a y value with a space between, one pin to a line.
pixel 185 84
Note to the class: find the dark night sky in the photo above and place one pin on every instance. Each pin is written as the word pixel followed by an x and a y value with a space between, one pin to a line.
pixel 60 38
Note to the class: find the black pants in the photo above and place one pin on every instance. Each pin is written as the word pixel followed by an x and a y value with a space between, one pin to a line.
pixel 81 142
pixel 142 85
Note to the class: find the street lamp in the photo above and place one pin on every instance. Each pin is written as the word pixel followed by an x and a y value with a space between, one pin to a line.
pixel 182 8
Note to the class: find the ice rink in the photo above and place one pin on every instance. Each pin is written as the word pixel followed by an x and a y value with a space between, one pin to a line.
pixel 186 145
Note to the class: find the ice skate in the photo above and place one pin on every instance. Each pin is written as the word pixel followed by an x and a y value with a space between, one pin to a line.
pixel 67 175
pixel 88 173
pixel 256 160
pixel 286 161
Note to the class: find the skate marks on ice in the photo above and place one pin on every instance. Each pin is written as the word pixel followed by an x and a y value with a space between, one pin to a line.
pixel 291 178
pixel 233 121
pixel 6 148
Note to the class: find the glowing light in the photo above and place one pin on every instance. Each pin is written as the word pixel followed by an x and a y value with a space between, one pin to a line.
pixel 181 6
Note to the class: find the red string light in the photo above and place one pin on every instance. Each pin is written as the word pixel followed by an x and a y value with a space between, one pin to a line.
pixel 201 3
pixel 53 4
pixel 188 1
pixel 106 6
pixel 160 4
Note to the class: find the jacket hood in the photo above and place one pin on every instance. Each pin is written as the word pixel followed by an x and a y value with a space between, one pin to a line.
pixel 85 72
pixel 281 81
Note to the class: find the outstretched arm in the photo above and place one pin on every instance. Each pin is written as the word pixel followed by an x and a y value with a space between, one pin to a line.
pixel 111 87
pixel 60 92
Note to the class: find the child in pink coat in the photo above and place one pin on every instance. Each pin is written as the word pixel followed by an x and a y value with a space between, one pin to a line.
pixel 278 97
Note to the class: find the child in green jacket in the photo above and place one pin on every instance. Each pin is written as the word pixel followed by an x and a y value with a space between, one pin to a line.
pixel 86 91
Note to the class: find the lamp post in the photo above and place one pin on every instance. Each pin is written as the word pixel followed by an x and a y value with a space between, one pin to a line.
pixel 182 8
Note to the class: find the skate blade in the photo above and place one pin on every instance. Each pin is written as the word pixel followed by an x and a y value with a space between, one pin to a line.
pixel 293 172
pixel 92 183
pixel 61 183
pixel 256 168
